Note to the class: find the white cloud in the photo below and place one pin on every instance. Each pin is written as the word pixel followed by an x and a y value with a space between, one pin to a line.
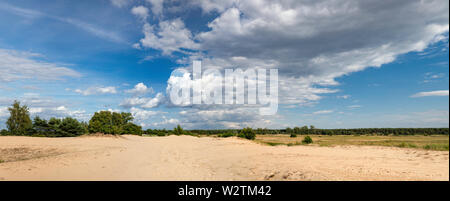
pixel 141 115
pixel 97 90
pixel 141 12
pixel 4 112
pixel 431 77
pixel 143 102
pixel 16 65
pixel 167 122
pixel 157 6
pixel 354 106
pixel 323 112
pixel 169 36
pixel 311 43
pixel 431 93
pixel 140 89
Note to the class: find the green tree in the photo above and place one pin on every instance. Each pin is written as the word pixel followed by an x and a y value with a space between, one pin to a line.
pixel 40 126
pixel 53 124
pixel 247 133
pixel 71 127
pixel 178 130
pixel 19 122
pixel 113 123
pixel 289 130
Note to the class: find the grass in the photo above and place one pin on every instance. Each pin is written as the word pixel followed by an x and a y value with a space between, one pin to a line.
pixel 431 142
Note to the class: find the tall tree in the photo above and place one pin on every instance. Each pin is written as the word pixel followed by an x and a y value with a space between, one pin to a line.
pixel 19 122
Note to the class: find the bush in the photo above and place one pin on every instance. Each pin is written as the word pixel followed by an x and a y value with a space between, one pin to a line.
pixel 307 140
pixel 226 135
pixel 247 133
pixel 4 132
pixel 178 130
pixel 131 128
pixel 293 135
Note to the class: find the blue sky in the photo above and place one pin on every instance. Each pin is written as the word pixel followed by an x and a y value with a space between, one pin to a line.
pixel 341 65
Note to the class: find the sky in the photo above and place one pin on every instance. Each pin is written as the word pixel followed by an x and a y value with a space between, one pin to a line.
pixel 341 64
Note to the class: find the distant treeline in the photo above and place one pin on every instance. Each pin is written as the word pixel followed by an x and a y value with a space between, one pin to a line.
pixel 106 122
pixel 316 131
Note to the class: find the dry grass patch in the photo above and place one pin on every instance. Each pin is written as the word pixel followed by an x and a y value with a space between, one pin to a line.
pixel 25 153
pixel 432 142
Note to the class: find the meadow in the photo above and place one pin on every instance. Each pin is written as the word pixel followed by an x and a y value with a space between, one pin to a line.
pixel 427 142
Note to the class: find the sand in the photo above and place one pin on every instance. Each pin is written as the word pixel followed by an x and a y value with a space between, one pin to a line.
pixel 207 158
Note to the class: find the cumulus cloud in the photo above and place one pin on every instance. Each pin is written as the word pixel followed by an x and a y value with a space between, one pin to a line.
pixel 17 65
pixel 140 89
pixel 97 90
pixel 143 102
pixel 140 114
pixel 431 93
pixel 157 6
pixel 311 43
pixel 140 11
pixel 168 36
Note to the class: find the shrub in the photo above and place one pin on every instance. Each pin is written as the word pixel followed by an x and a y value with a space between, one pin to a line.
pixel 293 135
pixel 307 140
pixel 226 135
pixel 4 132
pixel 131 128
pixel 178 130
pixel 247 133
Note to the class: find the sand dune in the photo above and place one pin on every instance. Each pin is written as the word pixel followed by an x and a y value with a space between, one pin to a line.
pixel 207 158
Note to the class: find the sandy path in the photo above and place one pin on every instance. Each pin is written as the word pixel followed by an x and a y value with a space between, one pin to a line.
pixel 193 158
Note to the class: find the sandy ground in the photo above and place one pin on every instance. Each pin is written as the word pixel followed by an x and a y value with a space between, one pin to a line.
pixel 207 158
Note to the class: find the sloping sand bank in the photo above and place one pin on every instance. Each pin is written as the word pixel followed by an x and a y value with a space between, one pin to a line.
pixel 207 158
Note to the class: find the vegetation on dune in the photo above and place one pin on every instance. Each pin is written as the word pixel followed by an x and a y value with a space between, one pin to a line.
pixel 330 132
pixel 307 140
pixel 247 133
pixel 113 123
pixel 19 121
pixel 428 142
pixel 106 122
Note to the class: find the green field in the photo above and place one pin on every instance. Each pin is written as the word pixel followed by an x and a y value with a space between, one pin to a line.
pixel 431 142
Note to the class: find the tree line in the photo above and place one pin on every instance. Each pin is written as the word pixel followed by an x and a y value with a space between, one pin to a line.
pixel 106 122
pixel 305 130
pixel 20 123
